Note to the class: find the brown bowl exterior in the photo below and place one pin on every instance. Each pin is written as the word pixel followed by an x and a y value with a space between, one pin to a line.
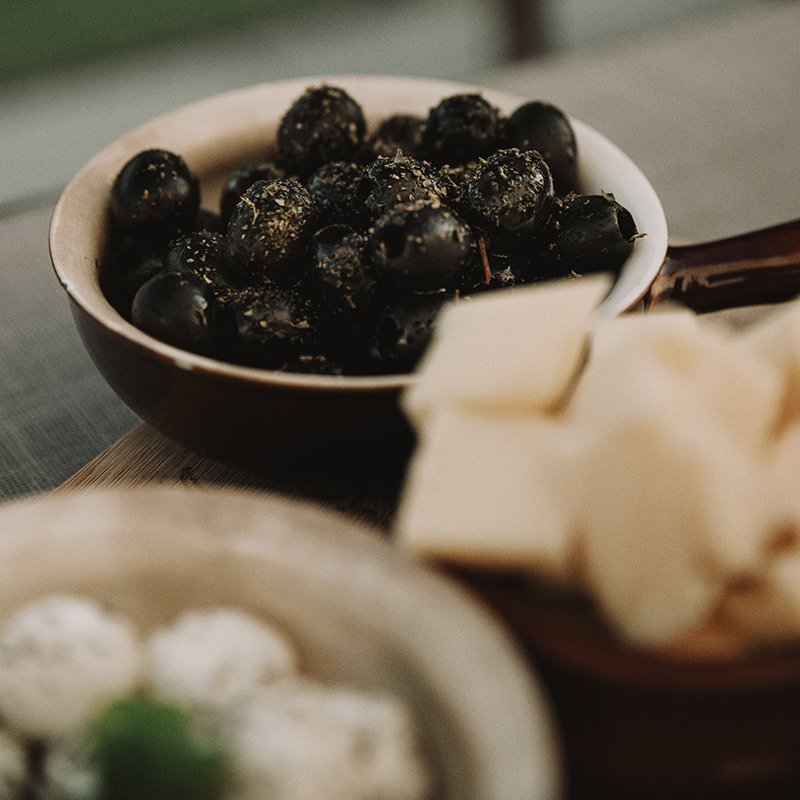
pixel 247 415
pixel 637 725
pixel 234 418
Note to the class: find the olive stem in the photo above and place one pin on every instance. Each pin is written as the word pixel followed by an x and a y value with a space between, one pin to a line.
pixel 487 269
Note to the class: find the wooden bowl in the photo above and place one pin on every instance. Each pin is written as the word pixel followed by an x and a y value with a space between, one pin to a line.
pixel 357 609
pixel 247 415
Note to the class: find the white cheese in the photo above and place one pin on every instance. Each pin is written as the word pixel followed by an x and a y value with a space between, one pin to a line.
pixel 299 740
pixel 511 351
pixel 61 657
pixel 212 657
pixel 482 490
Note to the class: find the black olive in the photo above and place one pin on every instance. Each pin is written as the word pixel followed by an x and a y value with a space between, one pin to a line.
pixel 404 330
pixel 274 324
pixel 333 187
pixel 543 127
pixel 491 269
pixel 128 264
pixel 456 176
pixel 270 227
pixel 342 278
pixel 155 196
pixel 324 124
pixel 510 194
pixel 178 308
pixel 240 180
pixel 205 254
pixel 421 247
pixel 402 132
pixel 594 234
pixel 388 182
pixel 461 128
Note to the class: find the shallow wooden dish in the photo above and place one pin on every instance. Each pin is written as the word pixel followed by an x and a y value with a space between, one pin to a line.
pixel 359 611
pixel 248 415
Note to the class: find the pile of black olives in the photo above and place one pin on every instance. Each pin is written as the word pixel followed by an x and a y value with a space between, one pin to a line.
pixel 336 252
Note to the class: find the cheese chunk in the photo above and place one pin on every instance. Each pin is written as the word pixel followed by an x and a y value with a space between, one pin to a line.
pixel 668 367
pixel 661 472
pixel 785 478
pixel 480 491
pixel 663 526
pixel 776 340
pixel 515 352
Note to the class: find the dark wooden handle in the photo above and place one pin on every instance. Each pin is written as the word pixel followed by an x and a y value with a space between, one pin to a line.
pixel 754 268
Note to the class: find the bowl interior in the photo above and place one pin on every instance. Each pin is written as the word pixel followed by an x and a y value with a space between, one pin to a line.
pixel 358 610
pixel 217 134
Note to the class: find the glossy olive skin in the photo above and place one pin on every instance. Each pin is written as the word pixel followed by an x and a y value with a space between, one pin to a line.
pixel 241 179
pixel 400 179
pixel 155 196
pixel 324 124
pixel 421 248
pixel 404 331
pixel 545 128
pixel 203 253
pixel 510 194
pixel 333 186
pixel 404 132
pixel 274 325
pixel 461 128
pixel 178 308
pixel 127 265
pixel 493 268
pixel 342 279
pixel 594 234
pixel 270 226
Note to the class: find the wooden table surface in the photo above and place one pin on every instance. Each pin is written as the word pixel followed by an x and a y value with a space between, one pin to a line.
pixel 144 456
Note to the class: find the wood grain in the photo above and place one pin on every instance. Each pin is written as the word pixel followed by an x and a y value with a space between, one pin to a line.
pixel 145 456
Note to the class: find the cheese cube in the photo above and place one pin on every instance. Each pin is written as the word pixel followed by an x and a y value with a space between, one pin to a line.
pixel 663 527
pixel 510 351
pixel 480 491
pixel 776 340
pixel 669 367
pixel 785 478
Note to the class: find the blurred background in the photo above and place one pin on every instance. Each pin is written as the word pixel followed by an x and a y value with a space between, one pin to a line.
pixel 75 75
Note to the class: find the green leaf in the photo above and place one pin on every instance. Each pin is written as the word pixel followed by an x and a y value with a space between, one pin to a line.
pixel 146 749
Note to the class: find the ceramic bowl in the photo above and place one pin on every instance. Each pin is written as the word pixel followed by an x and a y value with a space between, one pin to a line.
pixel 358 611
pixel 635 724
pixel 244 414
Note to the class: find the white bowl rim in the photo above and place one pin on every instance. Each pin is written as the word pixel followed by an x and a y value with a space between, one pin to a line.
pixel 81 207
